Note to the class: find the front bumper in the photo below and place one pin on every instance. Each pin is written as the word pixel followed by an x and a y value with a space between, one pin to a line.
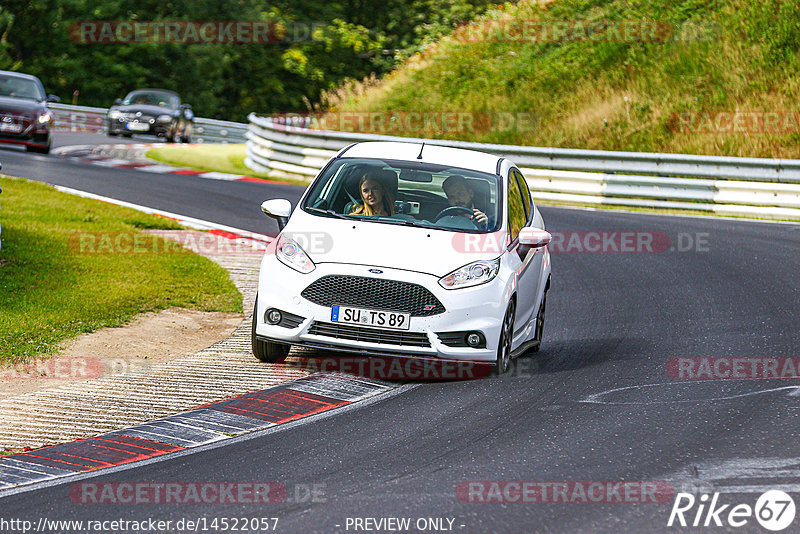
pixel 31 135
pixel 156 128
pixel 479 308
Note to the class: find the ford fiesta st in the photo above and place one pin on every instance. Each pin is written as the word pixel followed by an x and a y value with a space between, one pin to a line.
pixel 409 250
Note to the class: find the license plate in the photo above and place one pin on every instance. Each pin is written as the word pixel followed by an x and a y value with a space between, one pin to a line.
pixel 138 126
pixel 10 127
pixel 376 318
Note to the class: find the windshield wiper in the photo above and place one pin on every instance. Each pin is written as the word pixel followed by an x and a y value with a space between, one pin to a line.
pixel 405 222
pixel 329 212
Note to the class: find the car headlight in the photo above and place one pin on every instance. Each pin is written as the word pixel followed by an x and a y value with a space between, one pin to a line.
pixel 114 114
pixel 164 118
pixel 292 255
pixel 45 117
pixel 473 274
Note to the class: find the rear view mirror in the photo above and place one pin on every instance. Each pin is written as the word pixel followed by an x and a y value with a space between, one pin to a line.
pixel 118 102
pixel 413 175
pixel 279 209
pixel 53 98
pixel 534 237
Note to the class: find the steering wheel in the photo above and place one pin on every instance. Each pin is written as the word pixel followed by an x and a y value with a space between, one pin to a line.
pixel 453 210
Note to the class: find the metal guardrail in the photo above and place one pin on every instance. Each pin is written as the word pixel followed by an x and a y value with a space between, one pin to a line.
pixel 768 188
pixel 88 119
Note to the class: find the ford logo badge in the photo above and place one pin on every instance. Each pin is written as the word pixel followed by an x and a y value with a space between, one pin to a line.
pixel 376 271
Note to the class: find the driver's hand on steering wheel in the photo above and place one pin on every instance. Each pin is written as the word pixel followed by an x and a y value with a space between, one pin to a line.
pixel 479 217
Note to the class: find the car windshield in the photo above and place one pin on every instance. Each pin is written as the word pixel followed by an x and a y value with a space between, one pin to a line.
pixel 152 98
pixel 407 193
pixel 16 87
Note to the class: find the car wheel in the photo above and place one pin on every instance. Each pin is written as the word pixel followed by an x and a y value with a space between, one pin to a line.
pixel 266 351
pixel 506 337
pixel 128 135
pixel 186 139
pixel 112 134
pixel 539 324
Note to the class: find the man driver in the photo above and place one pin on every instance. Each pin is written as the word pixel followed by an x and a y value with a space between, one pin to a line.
pixel 459 193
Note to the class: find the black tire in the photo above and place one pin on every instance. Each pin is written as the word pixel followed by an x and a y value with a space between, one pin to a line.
pixel 112 134
pixel 503 362
pixel 186 139
pixel 540 324
pixel 128 135
pixel 266 351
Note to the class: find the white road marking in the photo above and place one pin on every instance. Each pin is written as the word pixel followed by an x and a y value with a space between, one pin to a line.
pixel 721 476
pixel 183 219
pixel 597 398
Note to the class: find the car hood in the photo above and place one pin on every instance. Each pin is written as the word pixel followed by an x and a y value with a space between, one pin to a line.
pixel 430 251
pixel 20 105
pixel 153 111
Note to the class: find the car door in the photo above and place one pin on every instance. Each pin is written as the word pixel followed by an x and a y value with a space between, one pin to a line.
pixel 527 261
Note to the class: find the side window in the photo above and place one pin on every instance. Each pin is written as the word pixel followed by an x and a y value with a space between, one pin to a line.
pixel 516 209
pixel 526 192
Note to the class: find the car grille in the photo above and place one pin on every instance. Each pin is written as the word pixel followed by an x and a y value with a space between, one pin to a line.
pixel 452 339
pixel 376 293
pixel 141 118
pixel 370 335
pixel 23 120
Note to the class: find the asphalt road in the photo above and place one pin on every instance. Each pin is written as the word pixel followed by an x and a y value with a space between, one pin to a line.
pixel 235 204
pixel 596 404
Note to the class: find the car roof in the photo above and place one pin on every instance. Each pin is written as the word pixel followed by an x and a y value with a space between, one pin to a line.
pixel 19 75
pixel 153 89
pixel 440 155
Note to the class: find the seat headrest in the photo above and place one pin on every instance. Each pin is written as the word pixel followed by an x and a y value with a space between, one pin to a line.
pixel 482 193
pixel 388 178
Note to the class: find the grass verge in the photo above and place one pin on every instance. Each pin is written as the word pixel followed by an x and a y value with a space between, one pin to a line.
pixel 693 76
pixel 211 158
pixel 50 291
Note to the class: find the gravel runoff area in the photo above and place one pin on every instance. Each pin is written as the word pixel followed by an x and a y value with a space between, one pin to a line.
pixel 140 393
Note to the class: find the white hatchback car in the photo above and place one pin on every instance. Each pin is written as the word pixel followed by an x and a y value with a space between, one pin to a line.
pixel 410 250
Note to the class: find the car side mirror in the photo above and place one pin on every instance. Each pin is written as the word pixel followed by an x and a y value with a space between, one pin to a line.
pixel 53 98
pixel 279 209
pixel 534 237
pixel 118 102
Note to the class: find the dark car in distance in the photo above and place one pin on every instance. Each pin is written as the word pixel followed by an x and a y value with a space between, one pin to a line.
pixel 25 118
pixel 156 112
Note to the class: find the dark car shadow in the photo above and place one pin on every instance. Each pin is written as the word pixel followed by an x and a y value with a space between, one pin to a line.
pixel 573 354
pixel 555 356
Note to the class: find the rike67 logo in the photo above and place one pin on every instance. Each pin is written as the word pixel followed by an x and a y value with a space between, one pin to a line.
pixel 774 510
